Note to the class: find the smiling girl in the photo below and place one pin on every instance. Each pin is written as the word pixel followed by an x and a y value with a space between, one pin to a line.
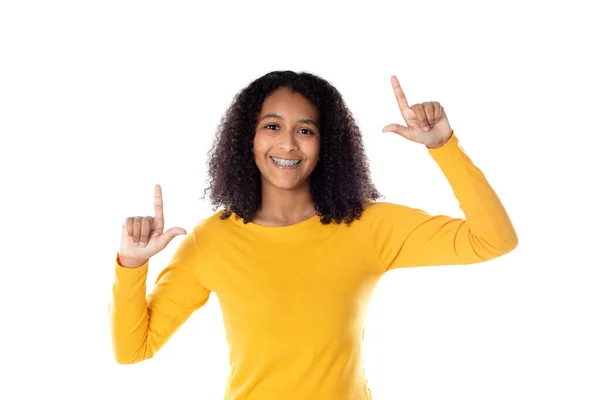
pixel 300 242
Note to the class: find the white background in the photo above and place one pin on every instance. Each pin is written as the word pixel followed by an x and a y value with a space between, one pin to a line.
pixel 101 100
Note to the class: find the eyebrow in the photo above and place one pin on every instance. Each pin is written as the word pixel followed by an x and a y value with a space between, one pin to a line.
pixel 276 116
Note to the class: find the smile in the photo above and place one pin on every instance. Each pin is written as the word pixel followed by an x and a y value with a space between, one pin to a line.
pixel 283 163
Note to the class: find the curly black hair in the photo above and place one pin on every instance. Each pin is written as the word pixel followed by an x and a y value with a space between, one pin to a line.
pixel 340 184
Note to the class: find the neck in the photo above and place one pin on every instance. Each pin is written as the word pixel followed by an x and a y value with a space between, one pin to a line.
pixel 285 207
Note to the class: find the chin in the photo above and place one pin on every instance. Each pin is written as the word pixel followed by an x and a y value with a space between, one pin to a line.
pixel 287 185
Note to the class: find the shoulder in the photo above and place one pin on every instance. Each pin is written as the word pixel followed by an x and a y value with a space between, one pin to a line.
pixel 379 214
pixel 381 209
pixel 209 231
pixel 210 224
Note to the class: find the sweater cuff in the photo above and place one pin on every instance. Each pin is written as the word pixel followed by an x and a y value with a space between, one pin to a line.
pixel 449 150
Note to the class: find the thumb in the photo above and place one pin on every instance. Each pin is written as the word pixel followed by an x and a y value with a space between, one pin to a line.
pixel 396 128
pixel 168 235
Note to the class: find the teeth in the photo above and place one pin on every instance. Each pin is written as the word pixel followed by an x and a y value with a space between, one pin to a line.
pixel 285 163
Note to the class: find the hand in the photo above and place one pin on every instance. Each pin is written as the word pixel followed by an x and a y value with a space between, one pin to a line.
pixel 426 122
pixel 143 237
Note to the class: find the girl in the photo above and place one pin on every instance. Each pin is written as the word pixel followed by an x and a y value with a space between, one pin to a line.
pixel 300 242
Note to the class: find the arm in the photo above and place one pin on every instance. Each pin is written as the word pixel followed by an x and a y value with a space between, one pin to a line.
pixel 141 324
pixel 408 237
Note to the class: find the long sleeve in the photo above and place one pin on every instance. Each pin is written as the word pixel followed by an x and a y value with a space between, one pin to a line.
pixel 141 324
pixel 409 237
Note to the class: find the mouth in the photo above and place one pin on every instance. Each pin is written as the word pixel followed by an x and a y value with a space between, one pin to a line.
pixel 283 163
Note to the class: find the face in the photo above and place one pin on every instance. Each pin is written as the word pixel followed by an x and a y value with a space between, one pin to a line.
pixel 287 140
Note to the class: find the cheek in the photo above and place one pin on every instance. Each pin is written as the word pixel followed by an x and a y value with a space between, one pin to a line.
pixel 256 146
pixel 259 147
pixel 315 151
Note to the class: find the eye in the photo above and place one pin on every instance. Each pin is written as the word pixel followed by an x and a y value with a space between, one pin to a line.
pixel 308 131
pixel 267 126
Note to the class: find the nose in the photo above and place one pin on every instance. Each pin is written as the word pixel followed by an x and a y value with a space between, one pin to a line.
pixel 288 141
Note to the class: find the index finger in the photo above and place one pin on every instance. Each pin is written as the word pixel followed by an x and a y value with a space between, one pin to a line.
pixel 158 204
pixel 402 102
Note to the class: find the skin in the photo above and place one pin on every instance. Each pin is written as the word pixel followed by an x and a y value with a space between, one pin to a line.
pixel 426 123
pixel 294 135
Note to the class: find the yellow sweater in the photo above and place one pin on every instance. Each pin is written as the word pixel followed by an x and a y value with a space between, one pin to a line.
pixel 294 298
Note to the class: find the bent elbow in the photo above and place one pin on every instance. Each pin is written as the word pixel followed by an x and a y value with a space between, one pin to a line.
pixel 124 360
pixel 128 360
pixel 514 243
pixel 508 244
pixel 126 357
pixel 486 250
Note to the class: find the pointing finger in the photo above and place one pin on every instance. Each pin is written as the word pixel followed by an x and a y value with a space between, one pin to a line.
pixel 158 208
pixel 400 97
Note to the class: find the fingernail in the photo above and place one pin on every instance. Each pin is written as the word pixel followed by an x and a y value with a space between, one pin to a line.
pixel 135 244
pixel 426 128
pixel 142 244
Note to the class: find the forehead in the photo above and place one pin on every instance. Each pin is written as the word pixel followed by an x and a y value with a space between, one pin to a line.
pixel 283 101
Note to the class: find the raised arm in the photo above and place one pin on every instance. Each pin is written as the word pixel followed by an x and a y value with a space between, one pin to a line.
pixel 407 237
pixel 141 324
